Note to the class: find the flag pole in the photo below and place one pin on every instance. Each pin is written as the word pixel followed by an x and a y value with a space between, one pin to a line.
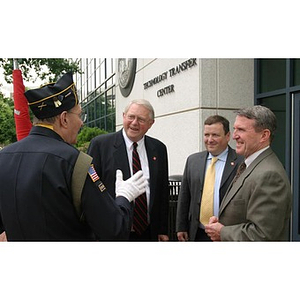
pixel 15 64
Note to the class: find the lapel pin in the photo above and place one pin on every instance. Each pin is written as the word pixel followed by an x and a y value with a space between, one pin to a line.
pixel 232 163
pixel 154 157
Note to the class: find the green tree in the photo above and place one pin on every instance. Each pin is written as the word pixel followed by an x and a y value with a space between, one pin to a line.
pixel 49 69
pixel 7 128
pixel 85 136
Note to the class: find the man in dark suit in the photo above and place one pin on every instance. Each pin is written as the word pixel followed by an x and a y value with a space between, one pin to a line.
pixel 257 206
pixel 216 138
pixel 114 151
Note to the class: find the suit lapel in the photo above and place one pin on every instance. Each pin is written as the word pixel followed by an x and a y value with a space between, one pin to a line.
pixel 200 167
pixel 153 160
pixel 120 155
pixel 234 188
pixel 229 165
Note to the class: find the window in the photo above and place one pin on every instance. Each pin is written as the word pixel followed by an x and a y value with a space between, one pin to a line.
pixel 97 92
pixel 278 105
pixel 272 74
pixel 296 72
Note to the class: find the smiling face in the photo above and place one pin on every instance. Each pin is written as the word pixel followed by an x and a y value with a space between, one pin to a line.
pixel 215 139
pixel 248 140
pixel 136 122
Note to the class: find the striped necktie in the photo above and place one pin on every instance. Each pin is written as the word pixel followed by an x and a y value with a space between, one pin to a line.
pixel 140 220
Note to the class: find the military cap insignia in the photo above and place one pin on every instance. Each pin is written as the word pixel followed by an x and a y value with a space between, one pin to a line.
pixel 67 95
pixel 42 105
pixel 57 103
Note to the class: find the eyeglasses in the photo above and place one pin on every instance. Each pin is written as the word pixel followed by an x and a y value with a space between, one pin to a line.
pixel 82 115
pixel 131 118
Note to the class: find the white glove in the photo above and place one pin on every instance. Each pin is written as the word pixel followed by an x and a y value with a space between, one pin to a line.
pixel 132 187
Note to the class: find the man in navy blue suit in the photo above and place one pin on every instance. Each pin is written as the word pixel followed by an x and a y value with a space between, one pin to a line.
pixel 114 151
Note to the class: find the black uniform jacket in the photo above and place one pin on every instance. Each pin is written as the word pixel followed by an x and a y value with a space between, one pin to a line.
pixel 36 199
pixel 109 154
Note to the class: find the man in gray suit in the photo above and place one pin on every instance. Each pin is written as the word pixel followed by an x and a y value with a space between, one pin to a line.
pixel 216 138
pixel 257 206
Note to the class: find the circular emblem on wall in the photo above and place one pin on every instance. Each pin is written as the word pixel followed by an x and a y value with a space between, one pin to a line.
pixel 126 74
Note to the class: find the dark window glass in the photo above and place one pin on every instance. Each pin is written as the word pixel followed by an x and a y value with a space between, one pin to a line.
pixel 296 72
pixel 272 74
pixel 277 105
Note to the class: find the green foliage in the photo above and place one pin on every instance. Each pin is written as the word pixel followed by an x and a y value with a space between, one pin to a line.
pixel 7 128
pixel 49 69
pixel 85 136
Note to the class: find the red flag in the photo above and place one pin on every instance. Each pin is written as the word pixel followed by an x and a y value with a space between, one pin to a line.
pixel 21 111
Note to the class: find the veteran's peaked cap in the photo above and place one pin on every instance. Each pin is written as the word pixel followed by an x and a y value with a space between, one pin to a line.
pixel 52 99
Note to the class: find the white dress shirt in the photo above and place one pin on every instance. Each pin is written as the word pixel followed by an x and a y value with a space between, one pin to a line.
pixel 252 157
pixel 141 149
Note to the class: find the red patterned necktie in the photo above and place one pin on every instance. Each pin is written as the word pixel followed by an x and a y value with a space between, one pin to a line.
pixel 140 220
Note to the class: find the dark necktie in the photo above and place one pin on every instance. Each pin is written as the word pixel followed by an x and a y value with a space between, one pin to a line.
pixel 240 170
pixel 140 221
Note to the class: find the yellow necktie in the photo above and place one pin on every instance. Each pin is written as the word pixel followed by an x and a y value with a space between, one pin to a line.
pixel 207 200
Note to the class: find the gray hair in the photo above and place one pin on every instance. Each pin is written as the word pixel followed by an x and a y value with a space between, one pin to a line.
pixel 144 103
pixel 263 116
pixel 50 120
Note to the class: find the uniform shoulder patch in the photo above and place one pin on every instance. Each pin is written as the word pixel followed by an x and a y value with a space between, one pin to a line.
pixel 93 174
pixel 95 178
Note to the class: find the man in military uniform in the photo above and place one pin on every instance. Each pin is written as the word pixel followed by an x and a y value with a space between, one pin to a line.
pixel 48 191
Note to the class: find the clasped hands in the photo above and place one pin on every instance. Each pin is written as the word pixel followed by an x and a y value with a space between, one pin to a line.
pixel 213 229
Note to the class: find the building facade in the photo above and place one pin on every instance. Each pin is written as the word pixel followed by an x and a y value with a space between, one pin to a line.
pixel 184 92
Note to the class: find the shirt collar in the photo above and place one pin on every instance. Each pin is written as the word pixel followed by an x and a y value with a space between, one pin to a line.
pixel 253 156
pixel 222 156
pixel 129 142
